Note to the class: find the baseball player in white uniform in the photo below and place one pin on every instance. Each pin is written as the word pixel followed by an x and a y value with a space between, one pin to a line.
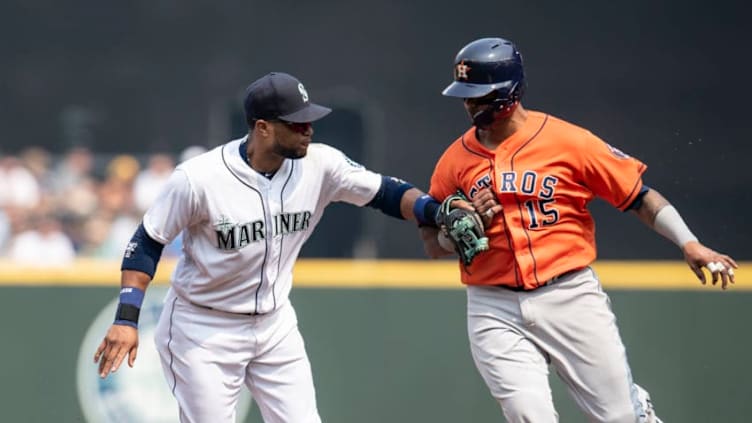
pixel 245 209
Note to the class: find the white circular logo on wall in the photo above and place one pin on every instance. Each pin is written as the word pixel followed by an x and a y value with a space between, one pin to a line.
pixel 138 394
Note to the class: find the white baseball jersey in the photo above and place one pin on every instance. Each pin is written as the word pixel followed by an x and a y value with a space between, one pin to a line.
pixel 242 232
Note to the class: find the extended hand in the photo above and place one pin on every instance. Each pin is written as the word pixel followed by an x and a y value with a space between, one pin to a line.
pixel 119 341
pixel 719 265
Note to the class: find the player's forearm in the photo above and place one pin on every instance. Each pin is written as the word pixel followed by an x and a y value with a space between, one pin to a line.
pixel 138 268
pixel 133 284
pixel 407 203
pixel 658 214
pixel 651 204
pixel 134 279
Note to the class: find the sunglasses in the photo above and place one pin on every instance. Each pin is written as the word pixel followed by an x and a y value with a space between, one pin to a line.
pixel 299 127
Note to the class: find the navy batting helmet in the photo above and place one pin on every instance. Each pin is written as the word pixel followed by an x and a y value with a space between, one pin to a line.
pixel 486 65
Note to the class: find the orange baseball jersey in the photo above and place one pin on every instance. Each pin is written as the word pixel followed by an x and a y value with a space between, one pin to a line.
pixel 544 175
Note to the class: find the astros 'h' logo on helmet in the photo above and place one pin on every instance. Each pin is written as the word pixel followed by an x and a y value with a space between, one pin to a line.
pixel 461 70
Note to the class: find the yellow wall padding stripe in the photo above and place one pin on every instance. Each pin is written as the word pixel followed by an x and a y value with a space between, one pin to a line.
pixel 330 273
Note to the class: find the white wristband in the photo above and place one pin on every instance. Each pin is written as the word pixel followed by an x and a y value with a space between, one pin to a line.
pixel 670 224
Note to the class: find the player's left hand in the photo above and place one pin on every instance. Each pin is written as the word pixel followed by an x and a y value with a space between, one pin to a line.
pixel 120 341
pixel 720 266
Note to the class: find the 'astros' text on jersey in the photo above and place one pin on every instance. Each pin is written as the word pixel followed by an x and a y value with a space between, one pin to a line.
pixel 544 175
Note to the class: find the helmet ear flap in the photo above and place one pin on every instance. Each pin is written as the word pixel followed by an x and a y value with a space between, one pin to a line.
pixel 485 117
pixel 515 94
pixel 502 103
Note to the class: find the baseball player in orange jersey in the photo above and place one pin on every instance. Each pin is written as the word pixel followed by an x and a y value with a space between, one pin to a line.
pixel 532 299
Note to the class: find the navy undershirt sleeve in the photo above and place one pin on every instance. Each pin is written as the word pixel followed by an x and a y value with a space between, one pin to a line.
pixel 142 253
pixel 637 202
pixel 389 196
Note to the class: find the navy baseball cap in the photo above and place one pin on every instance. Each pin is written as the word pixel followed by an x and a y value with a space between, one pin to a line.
pixel 281 96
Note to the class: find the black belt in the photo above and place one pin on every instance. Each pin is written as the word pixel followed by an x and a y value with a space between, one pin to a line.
pixel 548 282
pixel 223 311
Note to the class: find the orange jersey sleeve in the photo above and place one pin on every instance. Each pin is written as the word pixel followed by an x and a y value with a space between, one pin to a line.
pixel 610 173
pixel 544 175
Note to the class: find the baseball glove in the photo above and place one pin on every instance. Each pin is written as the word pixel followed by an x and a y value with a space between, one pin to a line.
pixel 462 228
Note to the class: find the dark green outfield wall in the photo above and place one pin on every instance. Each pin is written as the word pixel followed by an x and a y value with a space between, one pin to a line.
pixel 401 355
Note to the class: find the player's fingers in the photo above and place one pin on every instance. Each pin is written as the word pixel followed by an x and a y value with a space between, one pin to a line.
pixel 717 270
pixel 483 200
pixel 132 355
pixel 100 350
pixel 489 214
pixel 698 272
pixel 105 366
pixel 730 266
pixel 463 205
pixel 495 206
pixel 118 359
pixel 716 273
pixel 485 192
pixel 730 263
pixel 727 273
pixel 722 275
pixel 106 361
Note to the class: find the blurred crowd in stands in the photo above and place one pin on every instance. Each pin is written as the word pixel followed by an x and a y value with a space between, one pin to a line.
pixel 54 208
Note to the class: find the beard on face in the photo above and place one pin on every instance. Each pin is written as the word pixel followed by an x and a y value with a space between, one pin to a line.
pixel 290 152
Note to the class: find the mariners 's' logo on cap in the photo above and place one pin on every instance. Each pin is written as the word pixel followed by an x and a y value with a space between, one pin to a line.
pixel 303 93
pixel 461 70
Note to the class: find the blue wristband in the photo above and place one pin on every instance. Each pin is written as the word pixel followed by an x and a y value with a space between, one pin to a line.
pixel 129 307
pixel 425 210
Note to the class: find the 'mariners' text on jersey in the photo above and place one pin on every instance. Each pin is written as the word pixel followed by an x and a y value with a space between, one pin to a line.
pixel 231 236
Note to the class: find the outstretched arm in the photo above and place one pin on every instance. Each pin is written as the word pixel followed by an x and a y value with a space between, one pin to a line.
pixel 400 199
pixel 396 198
pixel 122 338
pixel 138 268
pixel 658 214
pixel 407 203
